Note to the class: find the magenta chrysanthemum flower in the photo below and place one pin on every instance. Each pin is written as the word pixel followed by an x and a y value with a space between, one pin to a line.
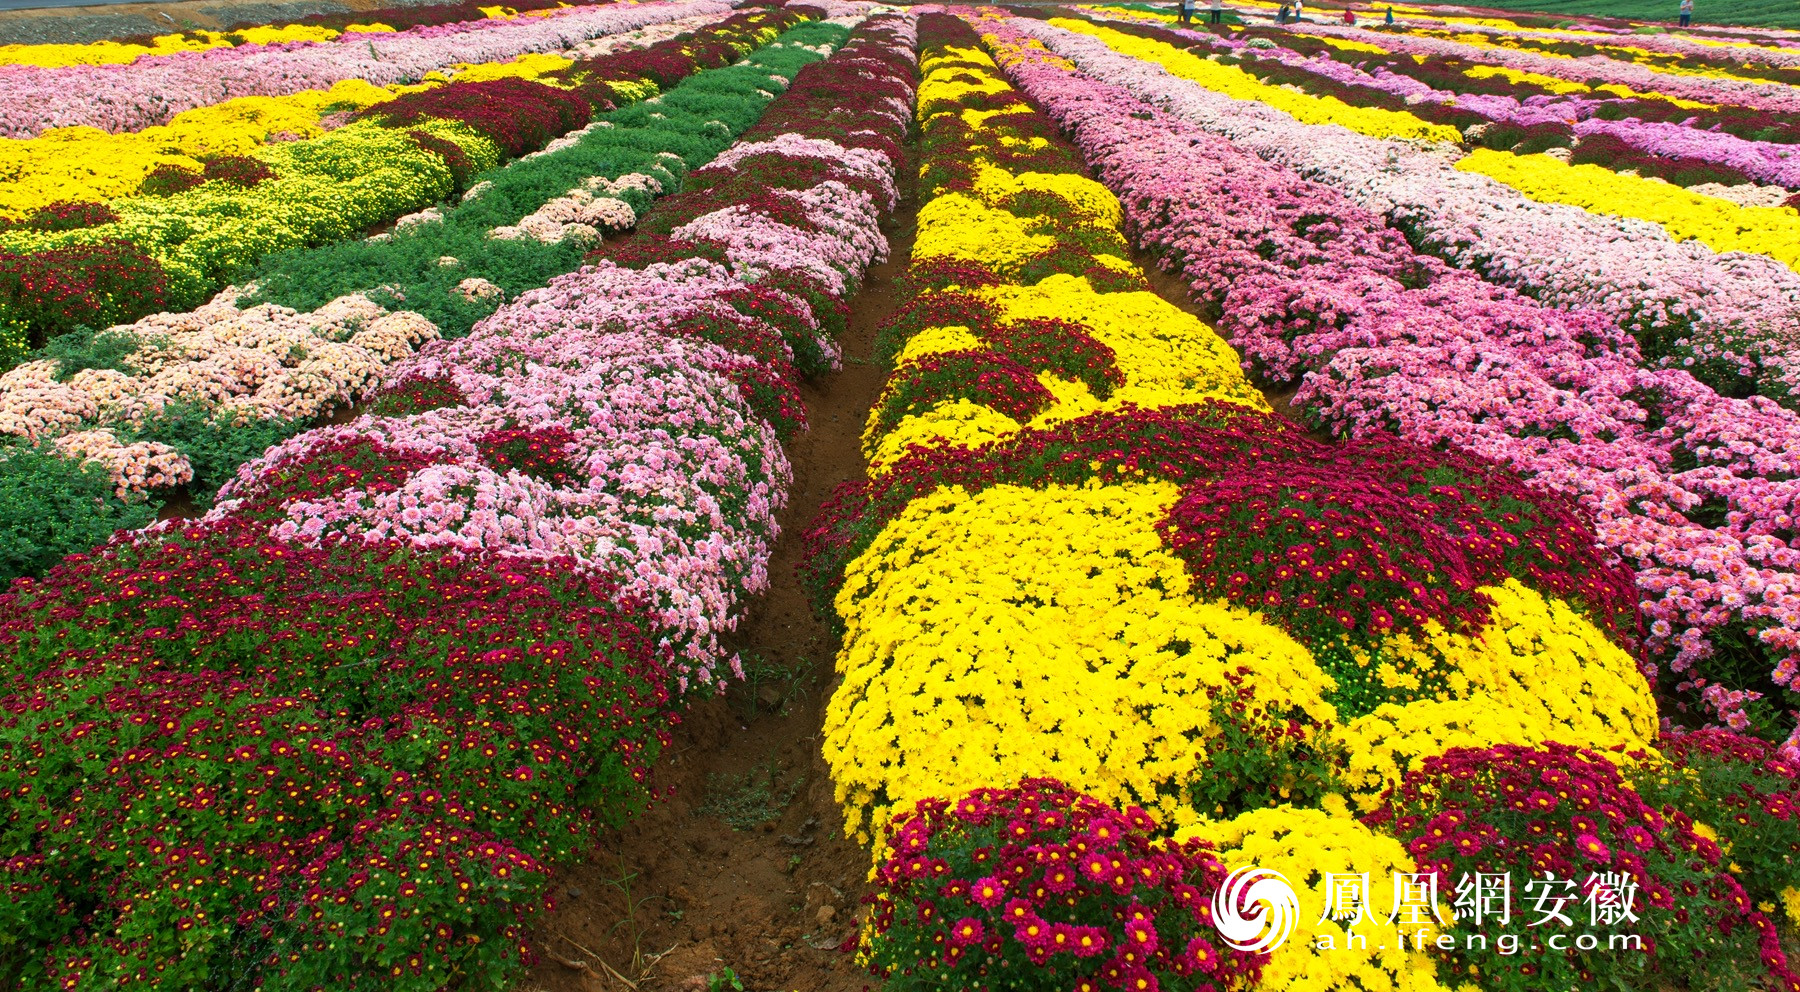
pixel 1594 848
pixel 1141 935
pixel 967 931
pixel 988 892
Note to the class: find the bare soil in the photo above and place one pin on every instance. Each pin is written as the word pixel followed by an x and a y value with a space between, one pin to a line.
pixel 679 894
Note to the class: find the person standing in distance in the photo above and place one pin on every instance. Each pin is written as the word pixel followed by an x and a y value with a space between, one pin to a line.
pixel 1687 12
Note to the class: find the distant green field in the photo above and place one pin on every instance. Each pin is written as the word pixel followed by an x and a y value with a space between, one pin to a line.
pixel 1759 13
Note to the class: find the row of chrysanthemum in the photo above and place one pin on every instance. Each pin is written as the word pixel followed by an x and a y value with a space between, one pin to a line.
pixel 97 264
pixel 441 646
pixel 312 28
pixel 180 399
pixel 1087 553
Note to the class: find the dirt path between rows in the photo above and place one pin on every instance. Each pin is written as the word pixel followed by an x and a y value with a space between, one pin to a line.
pixel 774 897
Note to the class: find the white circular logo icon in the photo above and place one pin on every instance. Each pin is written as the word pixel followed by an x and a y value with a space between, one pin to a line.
pixel 1255 909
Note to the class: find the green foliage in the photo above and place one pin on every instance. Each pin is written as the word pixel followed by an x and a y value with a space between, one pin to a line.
pixel 1257 757
pixel 748 801
pixel 85 348
pixel 52 506
pixel 762 674
pixel 214 447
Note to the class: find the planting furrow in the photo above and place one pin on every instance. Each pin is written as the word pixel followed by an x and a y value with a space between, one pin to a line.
pixel 377 737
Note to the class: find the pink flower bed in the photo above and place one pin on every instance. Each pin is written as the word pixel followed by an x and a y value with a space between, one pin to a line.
pixel 627 417
pixel 1705 89
pixel 267 362
pixel 1731 316
pixel 1693 490
pixel 1765 161
pixel 1673 44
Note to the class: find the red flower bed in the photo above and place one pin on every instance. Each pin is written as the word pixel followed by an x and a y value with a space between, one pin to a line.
pixel 50 292
pixel 238 170
pixel 1560 812
pixel 1370 536
pixel 541 453
pixel 1017 881
pixel 981 377
pixel 335 767
pixel 417 394
pixel 519 115
pixel 66 216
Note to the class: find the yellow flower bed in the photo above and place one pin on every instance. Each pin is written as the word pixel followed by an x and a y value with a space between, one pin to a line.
pixel 1305 845
pixel 115 53
pixel 85 164
pixel 532 65
pixel 1128 14
pixel 1020 632
pixel 1345 44
pixel 56 56
pixel 1668 63
pixel 1510 683
pixel 1167 356
pixel 1063 611
pixel 333 187
pixel 1557 84
pixel 1238 84
pixel 1719 224
pixel 1654 61
pixel 1012 630
pixel 1516 76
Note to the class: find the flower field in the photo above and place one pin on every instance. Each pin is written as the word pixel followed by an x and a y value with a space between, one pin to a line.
pixel 1332 451
pixel 539 528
